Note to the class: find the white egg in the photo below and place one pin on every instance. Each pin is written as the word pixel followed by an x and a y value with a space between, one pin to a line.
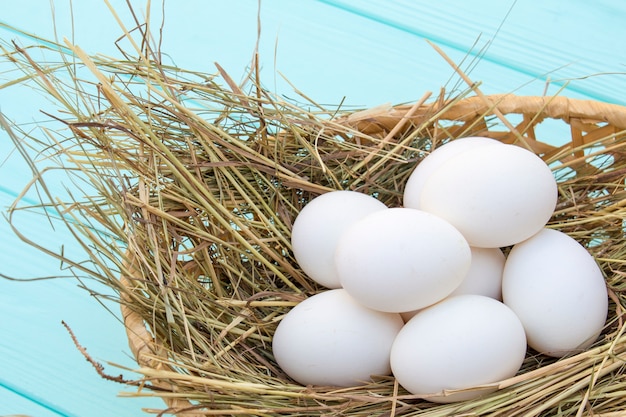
pixel 401 259
pixel 495 195
pixel 461 343
pixel 329 339
pixel 558 291
pixel 318 226
pixel 485 274
pixel 417 179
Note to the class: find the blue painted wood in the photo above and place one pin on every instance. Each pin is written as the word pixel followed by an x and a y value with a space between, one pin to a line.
pixel 16 399
pixel 38 360
pixel 369 52
pixel 564 41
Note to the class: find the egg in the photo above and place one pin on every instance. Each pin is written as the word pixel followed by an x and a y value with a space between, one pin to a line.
pixel 415 183
pixel 558 291
pixel 401 259
pixel 485 274
pixel 461 343
pixel 495 196
pixel 318 226
pixel 330 339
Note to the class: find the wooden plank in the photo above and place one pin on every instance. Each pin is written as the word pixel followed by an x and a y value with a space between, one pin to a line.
pixel 37 356
pixel 20 401
pixel 558 40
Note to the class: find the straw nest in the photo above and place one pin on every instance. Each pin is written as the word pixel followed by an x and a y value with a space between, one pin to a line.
pixel 194 182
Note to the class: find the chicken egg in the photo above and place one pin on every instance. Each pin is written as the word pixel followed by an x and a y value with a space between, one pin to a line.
pixel 558 291
pixel 330 339
pixel 401 259
pixel 465 342
pixel 495 196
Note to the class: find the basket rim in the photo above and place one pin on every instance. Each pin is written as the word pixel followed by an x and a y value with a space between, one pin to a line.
pixel 554 107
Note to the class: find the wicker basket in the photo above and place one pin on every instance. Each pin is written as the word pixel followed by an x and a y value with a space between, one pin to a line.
pixel 592 127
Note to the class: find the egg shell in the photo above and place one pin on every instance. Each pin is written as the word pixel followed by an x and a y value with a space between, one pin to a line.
pixel 318 226
pixel 495 195
pixel 462 343
pixel 401 259
pixel 330 339
pixel 558 291
pixel 417 179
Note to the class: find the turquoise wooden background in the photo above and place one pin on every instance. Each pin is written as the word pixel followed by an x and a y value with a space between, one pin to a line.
pixel 370 52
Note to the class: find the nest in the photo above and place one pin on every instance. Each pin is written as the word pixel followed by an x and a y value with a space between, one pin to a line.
pixel 194 182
